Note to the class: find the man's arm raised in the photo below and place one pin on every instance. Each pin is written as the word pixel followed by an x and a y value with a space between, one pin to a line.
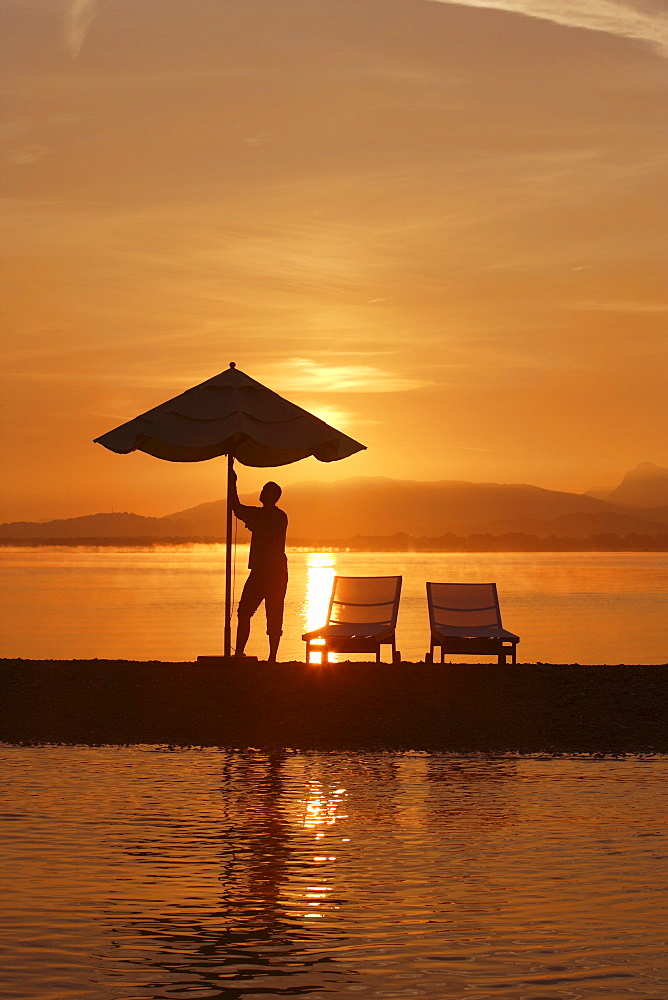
pixel 237 506
pixel 240 510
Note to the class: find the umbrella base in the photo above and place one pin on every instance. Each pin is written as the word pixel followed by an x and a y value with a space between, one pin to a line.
pixel 221 661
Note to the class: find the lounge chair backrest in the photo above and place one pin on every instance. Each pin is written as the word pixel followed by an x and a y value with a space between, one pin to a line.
pixel 460 605
pixel 372 600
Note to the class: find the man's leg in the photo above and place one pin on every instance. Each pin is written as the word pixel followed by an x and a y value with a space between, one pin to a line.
pixel 274 641
pixel 243 631
pixel 274 603
pixel 249 602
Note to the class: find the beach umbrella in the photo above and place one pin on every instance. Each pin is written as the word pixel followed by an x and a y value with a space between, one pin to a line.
pixel 230 414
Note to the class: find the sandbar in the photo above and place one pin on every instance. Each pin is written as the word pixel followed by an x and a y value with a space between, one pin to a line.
pixel 460 708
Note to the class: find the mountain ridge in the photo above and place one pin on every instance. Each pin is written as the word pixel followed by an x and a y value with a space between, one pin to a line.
pixel 644 487
pixel 379 506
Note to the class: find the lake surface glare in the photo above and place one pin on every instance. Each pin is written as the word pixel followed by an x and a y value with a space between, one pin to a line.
pixel 166 603
pixel 155 873
pixel 148 872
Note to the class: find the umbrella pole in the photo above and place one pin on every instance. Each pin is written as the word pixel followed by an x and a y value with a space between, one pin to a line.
pixel 227 640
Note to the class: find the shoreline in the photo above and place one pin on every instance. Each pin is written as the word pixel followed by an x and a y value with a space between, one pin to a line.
pixel 464 707
pixel 490 544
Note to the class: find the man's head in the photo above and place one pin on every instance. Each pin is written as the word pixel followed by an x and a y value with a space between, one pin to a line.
pixel 271 494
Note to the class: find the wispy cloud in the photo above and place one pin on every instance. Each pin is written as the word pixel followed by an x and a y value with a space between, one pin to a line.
pixel 337 416
pixel 620 306
pixel 307 375
pixel 79 16
pixel 642 20
pixel 28 155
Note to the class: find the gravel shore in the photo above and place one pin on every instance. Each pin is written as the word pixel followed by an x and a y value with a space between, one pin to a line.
pixel 463 708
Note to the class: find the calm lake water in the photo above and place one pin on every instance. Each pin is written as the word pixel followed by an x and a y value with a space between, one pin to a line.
pixel 145 872
pixel 151 873
pixel 165 603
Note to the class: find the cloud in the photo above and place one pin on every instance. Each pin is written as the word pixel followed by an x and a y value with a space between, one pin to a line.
pixel 306 375
pixel 619 306
pixel 337 416
pixel 27 155
pixel 78 19
pixel 642 20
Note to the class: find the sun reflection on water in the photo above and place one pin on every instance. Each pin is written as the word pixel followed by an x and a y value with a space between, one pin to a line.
pixel 322 808
pixel 320 573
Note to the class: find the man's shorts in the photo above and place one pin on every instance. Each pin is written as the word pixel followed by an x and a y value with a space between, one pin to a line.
pixel 267 587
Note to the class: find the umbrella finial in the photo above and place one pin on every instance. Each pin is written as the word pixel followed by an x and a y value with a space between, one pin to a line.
pixel 232 364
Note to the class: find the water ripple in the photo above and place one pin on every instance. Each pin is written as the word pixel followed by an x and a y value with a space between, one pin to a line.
pixel 143 872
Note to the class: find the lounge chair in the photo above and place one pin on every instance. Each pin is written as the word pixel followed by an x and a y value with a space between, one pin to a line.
pixel 465 618
pixel 362 616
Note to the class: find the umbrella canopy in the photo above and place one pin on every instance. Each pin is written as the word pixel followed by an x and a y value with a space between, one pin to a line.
pixel 231 414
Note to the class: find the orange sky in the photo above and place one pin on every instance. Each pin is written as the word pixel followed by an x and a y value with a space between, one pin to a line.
pixel 440 225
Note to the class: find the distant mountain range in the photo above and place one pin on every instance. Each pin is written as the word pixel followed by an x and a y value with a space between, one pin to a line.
pixel 331 512
pixel 644 487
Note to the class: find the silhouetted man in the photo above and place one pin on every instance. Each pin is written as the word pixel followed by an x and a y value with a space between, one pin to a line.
pixel 268 564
